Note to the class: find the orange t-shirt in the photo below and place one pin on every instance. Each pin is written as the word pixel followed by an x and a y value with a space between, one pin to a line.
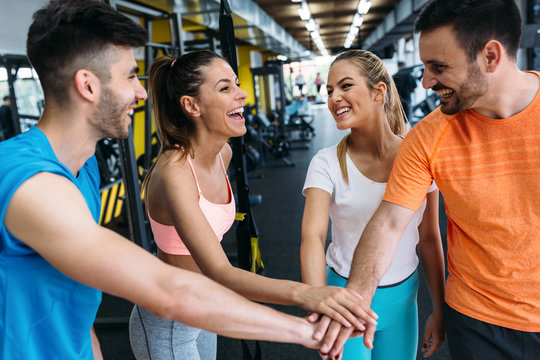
pixel 488 171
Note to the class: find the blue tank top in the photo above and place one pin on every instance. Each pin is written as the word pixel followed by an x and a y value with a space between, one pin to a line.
pixel 43 313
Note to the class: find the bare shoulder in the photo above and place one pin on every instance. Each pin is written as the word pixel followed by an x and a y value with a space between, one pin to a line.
pixel 47 193
pixel 171 182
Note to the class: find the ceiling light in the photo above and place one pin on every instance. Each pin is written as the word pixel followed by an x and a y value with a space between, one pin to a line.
pixel 357 20
pixel 296 0
pixel 315 35
pixel 282 57
pixel 363 6
pixel 310 25
pixel 304 12
pixel 354 30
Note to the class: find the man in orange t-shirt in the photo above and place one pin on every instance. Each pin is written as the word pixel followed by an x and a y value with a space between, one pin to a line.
pixel 482 148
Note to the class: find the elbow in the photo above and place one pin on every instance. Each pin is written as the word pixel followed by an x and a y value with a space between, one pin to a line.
pixel 181 303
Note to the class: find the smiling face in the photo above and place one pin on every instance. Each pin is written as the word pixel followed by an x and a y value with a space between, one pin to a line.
pixel 460 84
pixel 119 96
pixel 221 100
pixel 350 100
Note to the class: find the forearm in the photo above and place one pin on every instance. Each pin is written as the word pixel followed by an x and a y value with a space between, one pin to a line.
pixel 201 302
pixel 374 253
pixel 313 262
pixel 259 288
pixel 432 256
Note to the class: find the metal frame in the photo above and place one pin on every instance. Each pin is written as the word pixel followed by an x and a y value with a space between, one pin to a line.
pixel 13 63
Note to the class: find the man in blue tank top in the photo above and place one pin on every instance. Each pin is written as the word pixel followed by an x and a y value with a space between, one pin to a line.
pixel 53 254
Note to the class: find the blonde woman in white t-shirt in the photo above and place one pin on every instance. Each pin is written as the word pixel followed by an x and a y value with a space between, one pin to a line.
pixel 345 183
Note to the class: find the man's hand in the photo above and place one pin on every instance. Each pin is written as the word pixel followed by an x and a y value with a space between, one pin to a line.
pixel 434 335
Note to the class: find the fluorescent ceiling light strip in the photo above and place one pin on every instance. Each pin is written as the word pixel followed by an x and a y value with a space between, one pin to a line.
pixel 310 25
pixel 304 12
pixel 363 6
pixel 357 20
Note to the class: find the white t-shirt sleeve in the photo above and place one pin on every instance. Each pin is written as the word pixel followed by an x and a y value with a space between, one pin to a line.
pixel 433 187
pixel 318 174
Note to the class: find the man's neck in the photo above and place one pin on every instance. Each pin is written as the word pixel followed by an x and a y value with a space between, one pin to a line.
pixel 69 136
pixel 509 94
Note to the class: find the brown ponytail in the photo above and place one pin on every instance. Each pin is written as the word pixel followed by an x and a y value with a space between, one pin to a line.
pixel 169 79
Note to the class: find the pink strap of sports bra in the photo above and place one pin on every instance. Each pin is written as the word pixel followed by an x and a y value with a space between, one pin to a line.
pixel 195 174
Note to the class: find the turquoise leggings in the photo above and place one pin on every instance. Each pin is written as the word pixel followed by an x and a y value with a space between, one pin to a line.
pixel 396 336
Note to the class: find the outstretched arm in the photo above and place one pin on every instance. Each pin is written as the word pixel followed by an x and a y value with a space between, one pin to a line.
pixel 174 194
pixel 57 224
pixel 312 250
pixel 432 256
pixel 372 257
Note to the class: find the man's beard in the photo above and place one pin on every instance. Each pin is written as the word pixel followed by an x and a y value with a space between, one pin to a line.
pixel 111 115
pixel 464 99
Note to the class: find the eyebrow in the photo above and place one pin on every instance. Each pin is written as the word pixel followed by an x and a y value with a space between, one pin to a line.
pixel 225 80
pixel 345 78
pixel 429 62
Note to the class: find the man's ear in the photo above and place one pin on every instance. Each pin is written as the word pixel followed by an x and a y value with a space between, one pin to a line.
pixel 190 106
pixel 491 55
pixel 87 85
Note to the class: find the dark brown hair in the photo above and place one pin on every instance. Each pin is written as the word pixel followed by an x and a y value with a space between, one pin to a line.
pixel 69 35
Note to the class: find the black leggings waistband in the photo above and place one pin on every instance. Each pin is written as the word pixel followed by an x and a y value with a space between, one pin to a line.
pixel 379 287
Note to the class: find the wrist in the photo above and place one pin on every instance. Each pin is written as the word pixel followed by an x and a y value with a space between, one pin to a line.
pixel 303 333
pixel 297 293
pixel 364 289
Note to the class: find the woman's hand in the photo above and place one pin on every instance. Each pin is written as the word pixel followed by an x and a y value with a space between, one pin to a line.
pixel 341 304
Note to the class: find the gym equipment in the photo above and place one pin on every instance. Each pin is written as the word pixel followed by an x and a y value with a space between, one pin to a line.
pixel 25 93
pixel 299 119
pixel 247 237
pixel 424 107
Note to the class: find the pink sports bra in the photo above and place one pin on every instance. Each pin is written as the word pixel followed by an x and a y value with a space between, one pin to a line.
pixel 220 217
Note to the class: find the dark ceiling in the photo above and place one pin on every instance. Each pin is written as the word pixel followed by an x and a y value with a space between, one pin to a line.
pixel 334 18
pixel 255 20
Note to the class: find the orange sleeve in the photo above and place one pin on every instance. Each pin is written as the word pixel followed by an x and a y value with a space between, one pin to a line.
pixel 411 174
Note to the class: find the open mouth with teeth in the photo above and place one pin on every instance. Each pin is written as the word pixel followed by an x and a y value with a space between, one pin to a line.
pixel 343 110
pixel 445 93
pixel 236 114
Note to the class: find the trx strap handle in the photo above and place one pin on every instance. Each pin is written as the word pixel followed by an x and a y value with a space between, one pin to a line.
pixel 246 230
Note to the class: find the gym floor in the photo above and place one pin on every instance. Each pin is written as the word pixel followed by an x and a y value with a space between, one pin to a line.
pixel 278 218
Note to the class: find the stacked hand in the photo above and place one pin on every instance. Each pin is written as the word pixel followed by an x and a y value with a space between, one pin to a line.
pixel 341 313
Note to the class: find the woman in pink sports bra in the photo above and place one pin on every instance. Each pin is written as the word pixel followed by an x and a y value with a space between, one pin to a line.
pixel 198 107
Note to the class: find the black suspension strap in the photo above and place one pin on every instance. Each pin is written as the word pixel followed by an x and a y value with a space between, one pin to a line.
pixel 249 257
pixel 246 231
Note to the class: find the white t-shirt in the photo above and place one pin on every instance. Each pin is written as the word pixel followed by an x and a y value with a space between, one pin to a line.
pixel 351 207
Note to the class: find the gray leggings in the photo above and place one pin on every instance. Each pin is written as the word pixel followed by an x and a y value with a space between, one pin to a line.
pixel 153 338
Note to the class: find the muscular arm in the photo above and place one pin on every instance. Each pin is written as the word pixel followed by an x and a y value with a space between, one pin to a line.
pixel 372 257
pixel 375 250
pixel 48 213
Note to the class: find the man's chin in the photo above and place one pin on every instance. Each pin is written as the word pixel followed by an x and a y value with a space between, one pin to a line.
pixel 450 109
